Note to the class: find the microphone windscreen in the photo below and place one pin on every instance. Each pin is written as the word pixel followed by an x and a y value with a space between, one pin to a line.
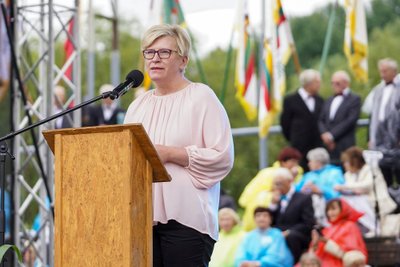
pixel 136 77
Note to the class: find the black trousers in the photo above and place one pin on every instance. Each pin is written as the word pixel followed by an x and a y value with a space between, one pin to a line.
pixel 390 174
pixel 297 243
pixel 176 245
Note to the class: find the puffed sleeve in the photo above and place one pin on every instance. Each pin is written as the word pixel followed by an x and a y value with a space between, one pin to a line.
pixel 211 157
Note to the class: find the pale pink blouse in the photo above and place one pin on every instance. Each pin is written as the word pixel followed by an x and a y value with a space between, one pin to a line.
pixel 192 118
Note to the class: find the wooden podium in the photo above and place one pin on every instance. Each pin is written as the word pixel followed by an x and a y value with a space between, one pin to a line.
pixel 103 181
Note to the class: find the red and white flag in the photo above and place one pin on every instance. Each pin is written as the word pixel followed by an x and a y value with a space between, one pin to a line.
pixel 246 76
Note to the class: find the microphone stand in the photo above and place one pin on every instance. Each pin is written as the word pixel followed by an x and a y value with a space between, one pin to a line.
pixel 4 152
pixel 372 158
pixel 377 210
pixel 374 164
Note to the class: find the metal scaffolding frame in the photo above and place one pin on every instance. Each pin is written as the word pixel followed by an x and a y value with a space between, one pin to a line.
pixel 40 27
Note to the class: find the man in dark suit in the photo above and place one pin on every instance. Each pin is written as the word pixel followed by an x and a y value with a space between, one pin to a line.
pixel 293 213
pixel 338 120
pixel 108 112
pixel 299 118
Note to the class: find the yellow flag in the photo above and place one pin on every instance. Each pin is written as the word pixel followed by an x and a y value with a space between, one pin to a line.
pixel 246 78
pixel 356 39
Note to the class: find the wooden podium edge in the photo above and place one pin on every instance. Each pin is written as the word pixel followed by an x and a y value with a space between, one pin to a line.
pixel 160 173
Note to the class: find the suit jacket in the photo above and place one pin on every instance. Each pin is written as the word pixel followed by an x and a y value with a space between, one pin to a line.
pixel 343 125
pixel 299 124
pixel 378 131
pixel 97 116
pixel 66 121
pixel 298 215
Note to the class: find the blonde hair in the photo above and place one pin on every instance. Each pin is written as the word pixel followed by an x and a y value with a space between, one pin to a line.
pixel 230 213
pixel 180 35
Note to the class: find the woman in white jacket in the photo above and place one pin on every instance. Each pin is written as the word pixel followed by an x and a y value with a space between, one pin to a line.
pixel 360 181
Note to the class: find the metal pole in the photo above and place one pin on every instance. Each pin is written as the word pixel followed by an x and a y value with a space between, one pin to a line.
pixel 226 73
pixel 91 54
pixel 262 142
pixel 328 38
pixel 3 154
pixel 115 57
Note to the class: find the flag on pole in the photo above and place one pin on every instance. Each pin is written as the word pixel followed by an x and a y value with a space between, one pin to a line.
pixel 246 80
pixel 284 47
pixel 266 106
pixel 173 13
pixel 277 51
pixel 284 38
pixel 356 39
pixel 69 49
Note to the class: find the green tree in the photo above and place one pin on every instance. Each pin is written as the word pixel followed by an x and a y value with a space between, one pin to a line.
pixel 383 42
pixel 309 34
pixel 382 12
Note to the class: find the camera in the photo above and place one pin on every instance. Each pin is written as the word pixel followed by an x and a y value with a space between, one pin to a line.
pixel 318 228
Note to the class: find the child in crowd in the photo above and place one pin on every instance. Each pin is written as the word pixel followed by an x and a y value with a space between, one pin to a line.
pixel 343 235
pixel 230 237
pixel 264 246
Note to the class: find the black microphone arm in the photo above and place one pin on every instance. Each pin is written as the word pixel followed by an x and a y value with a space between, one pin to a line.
pixel 133 81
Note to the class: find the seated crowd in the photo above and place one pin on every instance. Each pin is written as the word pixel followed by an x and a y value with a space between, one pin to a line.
pixel 317 219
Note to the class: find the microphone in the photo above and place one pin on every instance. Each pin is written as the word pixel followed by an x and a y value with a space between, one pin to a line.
pixel 133 79
pixel 372 157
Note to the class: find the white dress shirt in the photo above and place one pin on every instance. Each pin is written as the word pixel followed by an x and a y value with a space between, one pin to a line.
pixel 108 110
pixel 336 102
pixel 387 92
pixel 286 199
pixel 308 99
pixel 59 120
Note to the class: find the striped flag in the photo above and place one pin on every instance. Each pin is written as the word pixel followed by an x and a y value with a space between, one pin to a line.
pixel 284 38
pixel 69 49
pixel 277 51
pixel 246 80
pixel 173 13
pixel 266 105
pixel 356 39
pixel 285 48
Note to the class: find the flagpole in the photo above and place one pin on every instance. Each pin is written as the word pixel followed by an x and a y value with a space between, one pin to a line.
pixel 91 54
pixel 263 142
pixel 296 60
pixel 115 56
pixel 295 54
pixel 328 38
pixel 226 73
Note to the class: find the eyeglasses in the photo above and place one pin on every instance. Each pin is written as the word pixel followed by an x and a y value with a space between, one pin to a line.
pixel 163 53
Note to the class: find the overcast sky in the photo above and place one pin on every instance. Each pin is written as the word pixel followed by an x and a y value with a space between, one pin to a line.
pixel 211 21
